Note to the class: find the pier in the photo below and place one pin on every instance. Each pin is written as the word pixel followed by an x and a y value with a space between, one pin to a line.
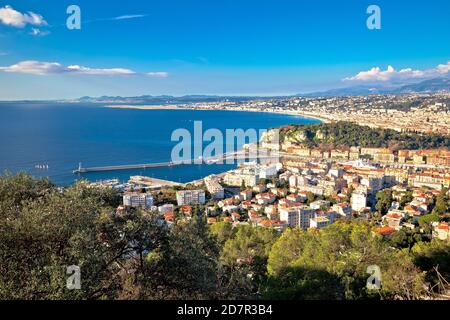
pixel 240 155
pixel 126 167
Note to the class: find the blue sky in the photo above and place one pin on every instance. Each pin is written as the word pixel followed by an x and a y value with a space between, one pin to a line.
pixel 222 47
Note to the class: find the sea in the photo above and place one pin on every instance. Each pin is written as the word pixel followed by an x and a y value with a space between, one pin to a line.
pixel 63 135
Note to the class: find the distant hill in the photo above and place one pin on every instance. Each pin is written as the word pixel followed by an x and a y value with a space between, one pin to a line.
pixel 427 86
pixel 163 99
pixel 433 85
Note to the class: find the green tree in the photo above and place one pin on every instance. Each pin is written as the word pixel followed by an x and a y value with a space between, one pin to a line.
pixel 442 202
pixel 310 197
pixel 50 230
pixel 428 219
pixel 432 257
pixel 338 256
pixel 246 253
pixel 223 231
pixel 406 198
pixel 384 201
pixel 185 266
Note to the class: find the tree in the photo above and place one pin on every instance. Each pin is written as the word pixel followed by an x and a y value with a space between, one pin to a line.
pixel 185 266
pixel 246 253
pixel 432 256
pixel 406 238
pixel 50 230
pixel 310 197
pixel 428 219
pixel 337 257
pixel 442 202
pixel 223 231
pixel 384 201
pixel 243 185
pixel 406 198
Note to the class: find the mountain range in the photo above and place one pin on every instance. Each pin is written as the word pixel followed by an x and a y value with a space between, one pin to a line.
pixel 427 86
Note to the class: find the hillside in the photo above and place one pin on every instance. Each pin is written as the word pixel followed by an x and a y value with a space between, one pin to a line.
pixel 350 134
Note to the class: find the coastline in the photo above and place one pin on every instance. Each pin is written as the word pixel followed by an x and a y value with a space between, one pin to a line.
pixel 183 107
pixel 144 107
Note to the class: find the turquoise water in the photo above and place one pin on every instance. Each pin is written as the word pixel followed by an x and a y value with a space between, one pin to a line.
pixel 62 135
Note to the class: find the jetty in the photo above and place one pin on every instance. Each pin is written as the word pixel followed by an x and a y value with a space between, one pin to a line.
pixel 126 167
pixel 239 155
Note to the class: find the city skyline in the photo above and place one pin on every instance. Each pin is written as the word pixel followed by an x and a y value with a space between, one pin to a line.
pixel 255 48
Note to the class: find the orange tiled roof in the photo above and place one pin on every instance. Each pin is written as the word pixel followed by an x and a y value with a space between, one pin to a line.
pixel 385 230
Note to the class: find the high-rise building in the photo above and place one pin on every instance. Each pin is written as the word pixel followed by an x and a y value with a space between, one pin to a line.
pixel 185 197
pixel 297 216
pixel 134 199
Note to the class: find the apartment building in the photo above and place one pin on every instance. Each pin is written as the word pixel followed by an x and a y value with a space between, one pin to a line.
pixel 192 197
pixel 135 200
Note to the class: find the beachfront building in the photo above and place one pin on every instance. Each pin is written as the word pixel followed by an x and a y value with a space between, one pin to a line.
pixel 192 197
pixel 135 200
pixel 246 176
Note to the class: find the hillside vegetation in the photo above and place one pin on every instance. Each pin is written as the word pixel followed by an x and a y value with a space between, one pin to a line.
pixel 133 255
pixel 350 134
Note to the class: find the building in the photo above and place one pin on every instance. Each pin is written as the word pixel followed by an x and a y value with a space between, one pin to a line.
pixel 296 216
pixel 165 208
pixel 343 209
pixel 135 200
pixel 190 197
pixel 320 204
pixel 239 177
pixel 268 171
pixel 393 219
pixel 358 201
pixel 319 222
pixel 442 231
pixel 214 188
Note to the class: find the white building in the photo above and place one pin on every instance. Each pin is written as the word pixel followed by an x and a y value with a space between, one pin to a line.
pixel 358 201
pixel 237 177
pixel 297 216
pixel 185 197
pixel 319 204
pixel 134 199
pixel 214 187
pixel 268 171
pixel 319 222
pixel 165 208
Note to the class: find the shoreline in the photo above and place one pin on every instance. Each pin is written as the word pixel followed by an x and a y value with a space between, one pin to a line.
pixel 178 107
pixel 183 107
pixel 143 107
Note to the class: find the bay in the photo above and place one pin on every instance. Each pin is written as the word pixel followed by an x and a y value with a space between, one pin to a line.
pixel 63 135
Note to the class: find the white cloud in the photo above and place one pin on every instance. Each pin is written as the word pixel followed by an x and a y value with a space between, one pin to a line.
pixel 157 74
pixel 376 74
pixel 11 17
pixel 39 32
pixel 49 68
pixel 443 68
pixel 130 16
